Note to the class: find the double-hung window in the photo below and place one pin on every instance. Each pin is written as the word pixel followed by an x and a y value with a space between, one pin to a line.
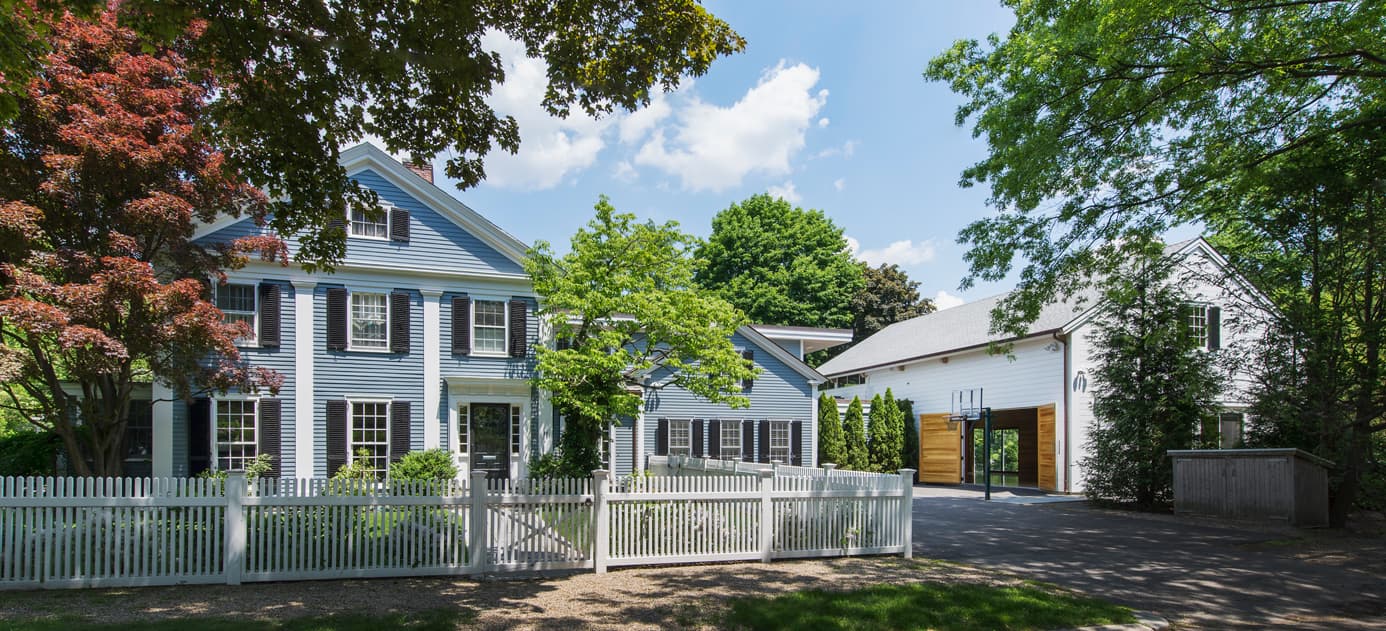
pixel 730 440
pixel 779 441
pixel 366 226
pixel 488 326
pixel 370 432
pixel 237 304
pixel 680 438
pixel 235 433
pixel 369 321
pixel 1198 324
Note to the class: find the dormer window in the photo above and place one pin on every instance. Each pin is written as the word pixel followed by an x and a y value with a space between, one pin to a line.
pixel 362 224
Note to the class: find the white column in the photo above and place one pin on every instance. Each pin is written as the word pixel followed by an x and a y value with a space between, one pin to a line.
pixel 304 346
pixel 432 350
pixel 163 429
pixel 638 463
pixel 812 459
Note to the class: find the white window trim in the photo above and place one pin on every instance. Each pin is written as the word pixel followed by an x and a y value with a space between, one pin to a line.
pixel 505 326
pixel 215 465
pixel 684 451
pixel 1207 325
pixel 788 441
pixel 252 342
pixel 351 424
pixel 351 316
pixel 385 208
pixel 726 424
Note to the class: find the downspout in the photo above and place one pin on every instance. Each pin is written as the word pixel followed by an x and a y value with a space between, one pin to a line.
pixel 1068 483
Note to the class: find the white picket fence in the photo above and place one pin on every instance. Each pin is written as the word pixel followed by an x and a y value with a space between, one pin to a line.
pixel 88 532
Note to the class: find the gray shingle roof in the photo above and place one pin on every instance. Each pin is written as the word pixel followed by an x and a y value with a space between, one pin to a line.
pixel 964 326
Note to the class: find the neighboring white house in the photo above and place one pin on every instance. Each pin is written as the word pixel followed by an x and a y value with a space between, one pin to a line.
pixel 1040 391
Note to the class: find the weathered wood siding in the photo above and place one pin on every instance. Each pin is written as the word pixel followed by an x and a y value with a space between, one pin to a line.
pixel 940 458
pixel 1254 484
pixel 1048 457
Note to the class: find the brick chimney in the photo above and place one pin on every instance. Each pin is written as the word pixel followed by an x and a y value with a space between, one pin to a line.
pixel 424 171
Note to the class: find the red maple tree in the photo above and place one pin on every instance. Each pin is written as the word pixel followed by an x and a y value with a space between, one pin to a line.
pixel 104 175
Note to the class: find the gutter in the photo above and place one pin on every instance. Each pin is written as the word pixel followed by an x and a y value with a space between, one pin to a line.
pixel 962 349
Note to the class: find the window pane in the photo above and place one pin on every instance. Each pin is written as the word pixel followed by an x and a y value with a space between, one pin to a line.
pixel 779 441
pixel 370 423
pixel 235 434
pixel 488 326
pixel 1198 324
pixel 680 438
pixel 237 304
pixel 730 440
pixel 363 226
pixel 368 321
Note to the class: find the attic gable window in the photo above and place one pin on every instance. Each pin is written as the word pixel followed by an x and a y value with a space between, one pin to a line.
pixel 1198 324
pixel 237 304
pixel 363 226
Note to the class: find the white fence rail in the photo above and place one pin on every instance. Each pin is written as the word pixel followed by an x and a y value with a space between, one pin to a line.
pixel 87 532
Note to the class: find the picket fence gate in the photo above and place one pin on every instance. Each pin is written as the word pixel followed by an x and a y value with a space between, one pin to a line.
pixel 105 532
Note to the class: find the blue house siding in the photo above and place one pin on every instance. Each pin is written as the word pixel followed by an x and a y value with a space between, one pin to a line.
pixel 341 374
pixel 280 360
pixel 452 365
pixel 780 393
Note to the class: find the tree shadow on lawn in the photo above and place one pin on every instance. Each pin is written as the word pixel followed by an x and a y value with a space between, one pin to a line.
pixel 926 606
pixel 436 620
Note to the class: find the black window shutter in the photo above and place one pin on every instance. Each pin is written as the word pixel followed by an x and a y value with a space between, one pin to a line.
pixel 1214 328
pixel 662 437
pixel 399 322
pixel 337 223
pixel 519 329
pixel 199 436
pixel 336 436
pixel 697 435
pixel 748 441
pixel 796 439
pixel 269 315
pixel 750 357
pixel 714 439
pixel 399 225
pixel 765 441
pixel 336 319
pixel 461 325
pixel 268 433
pixel 399 430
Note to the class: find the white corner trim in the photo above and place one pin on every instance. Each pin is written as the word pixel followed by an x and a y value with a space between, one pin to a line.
pixel 432 350
pixel 304 419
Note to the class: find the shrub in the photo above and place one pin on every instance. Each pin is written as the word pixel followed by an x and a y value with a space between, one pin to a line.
pixel 258 466
pixel 831 443
pixel 432 464
pixel 359 468
pixel 25 453
pixel 910 451
pixel 887 434
pixel 854 430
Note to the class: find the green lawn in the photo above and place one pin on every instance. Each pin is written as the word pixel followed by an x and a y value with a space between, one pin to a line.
pixel 441 620
pixel 939 606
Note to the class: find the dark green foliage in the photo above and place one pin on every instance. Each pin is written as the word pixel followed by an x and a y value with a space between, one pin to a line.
pixel 854 437
pixel 25 453
pixel 357 469
pixel 780 265
pixel 431 464
pixel 886 297
pixel 937 606
pixel 832 444
pixel 910 450
pixel 887 434
pixel 1152 389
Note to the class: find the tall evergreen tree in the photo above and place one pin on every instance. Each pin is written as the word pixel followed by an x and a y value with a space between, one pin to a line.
pixel 832 446
pixel 910 450
pixel 1153 387
pixel 854 433
pixel 887 433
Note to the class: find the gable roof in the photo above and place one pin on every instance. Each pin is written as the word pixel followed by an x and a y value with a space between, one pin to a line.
pixel 368 156
pixel 778 352
pixel 968 326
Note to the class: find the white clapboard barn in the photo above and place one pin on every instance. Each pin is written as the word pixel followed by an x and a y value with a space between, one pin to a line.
pixel 1040 391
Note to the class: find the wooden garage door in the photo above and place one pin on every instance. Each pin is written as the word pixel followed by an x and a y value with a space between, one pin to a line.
pixel 1048 463
pixel 940 455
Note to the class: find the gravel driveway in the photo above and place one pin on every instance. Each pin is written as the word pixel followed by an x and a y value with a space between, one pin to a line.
pixel 1198 574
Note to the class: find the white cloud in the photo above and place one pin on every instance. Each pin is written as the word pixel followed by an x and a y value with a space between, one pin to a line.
pixel 785 191
pixel 550 148
pixel 945 300
pixel 823 122
pixel 905 252
pixel 635 126
pixel 625 172
pixel 713 148
pixel 846 151
pixel 840 183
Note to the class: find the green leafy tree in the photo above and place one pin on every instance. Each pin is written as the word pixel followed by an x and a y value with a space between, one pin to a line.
pixel 1153 387
pixel 301 80
pixel 887 440
pixel 628 317
pixel 1109 121
pixel 888 296
pixel 832 445
pixel 910 445
pixel 854 433
pixel 780 264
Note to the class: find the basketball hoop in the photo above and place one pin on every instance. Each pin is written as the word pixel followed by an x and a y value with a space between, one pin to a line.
pixel 967 407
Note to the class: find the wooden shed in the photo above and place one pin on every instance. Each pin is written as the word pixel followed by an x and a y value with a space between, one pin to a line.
pixel 1288 485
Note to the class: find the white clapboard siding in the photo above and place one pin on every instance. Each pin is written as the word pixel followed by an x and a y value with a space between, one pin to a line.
pixel 88 532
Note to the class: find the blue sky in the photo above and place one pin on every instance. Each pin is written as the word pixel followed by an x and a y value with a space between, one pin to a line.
pixel 827 106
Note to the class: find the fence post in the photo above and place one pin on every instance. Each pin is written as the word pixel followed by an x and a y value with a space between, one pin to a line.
pixel 477 521
pixel 907 509
pixel 767 516
pixel 234 533
pixel 601 525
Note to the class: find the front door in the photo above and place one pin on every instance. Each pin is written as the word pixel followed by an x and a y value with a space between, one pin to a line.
pixel 491 439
